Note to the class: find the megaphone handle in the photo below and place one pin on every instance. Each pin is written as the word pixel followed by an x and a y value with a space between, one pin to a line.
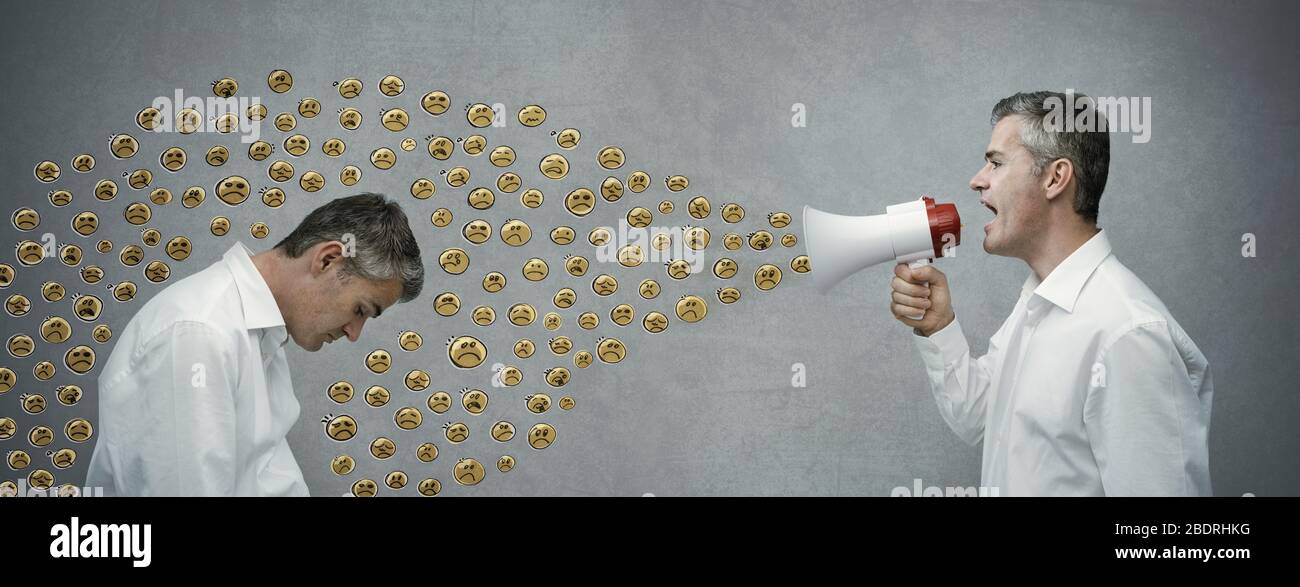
pixel 917 264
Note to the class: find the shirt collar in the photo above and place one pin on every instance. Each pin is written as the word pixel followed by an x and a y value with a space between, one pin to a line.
pixel 260 309
pixel 1064 283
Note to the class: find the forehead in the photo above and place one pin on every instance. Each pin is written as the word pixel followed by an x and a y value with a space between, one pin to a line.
pixel 1006 135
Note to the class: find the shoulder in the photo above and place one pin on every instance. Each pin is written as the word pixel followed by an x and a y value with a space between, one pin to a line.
pixel 1123 306
pixel 205 305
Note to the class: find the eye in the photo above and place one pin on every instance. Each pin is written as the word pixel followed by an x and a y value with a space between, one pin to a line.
pixel 995 164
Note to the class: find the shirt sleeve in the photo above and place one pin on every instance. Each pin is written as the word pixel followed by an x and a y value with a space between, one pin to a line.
pixel 1146 418
pixel 959 383
pixel 187 413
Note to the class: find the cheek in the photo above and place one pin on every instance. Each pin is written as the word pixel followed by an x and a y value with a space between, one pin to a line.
pixel 320 309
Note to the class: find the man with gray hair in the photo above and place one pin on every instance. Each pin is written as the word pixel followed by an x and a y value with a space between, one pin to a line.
pixel 196 398
pixel 1090 387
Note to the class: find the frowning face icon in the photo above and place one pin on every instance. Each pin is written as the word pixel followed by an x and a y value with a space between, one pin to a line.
pixel 80 359
pixel 340 428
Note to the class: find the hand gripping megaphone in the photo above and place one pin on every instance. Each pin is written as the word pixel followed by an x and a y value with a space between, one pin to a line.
pixel 912 232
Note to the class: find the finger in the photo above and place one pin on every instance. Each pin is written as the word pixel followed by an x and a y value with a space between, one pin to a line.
pixel 906 273
pixel 911 301
pixel 929 273
pixel 907 315
pixel 911 289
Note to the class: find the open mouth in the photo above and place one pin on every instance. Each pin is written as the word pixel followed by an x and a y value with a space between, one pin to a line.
pixel 992 209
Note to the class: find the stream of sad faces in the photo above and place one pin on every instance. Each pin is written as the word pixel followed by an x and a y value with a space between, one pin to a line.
pixel 637 228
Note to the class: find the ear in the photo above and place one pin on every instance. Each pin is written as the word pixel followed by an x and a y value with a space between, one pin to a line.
pixel 1057 177
pixel 326 257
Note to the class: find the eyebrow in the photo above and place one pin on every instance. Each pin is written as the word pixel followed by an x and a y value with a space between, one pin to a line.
pixel 989 154
pixel 377 309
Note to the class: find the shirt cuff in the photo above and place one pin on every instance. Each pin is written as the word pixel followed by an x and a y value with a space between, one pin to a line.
pixel 943 347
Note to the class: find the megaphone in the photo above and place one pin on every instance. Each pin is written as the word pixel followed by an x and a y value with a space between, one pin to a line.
pixel 913 232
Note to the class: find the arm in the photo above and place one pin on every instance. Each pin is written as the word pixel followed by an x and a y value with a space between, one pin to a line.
pixel 188 375
pixel 959 382
pixel 1145 417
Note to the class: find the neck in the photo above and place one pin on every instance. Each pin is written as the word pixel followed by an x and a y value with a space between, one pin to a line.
pixel 273 268
pixel 1060 246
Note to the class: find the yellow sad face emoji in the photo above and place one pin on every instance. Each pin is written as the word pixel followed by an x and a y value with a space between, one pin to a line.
pixel 535 269
pixel 340 428
pixel 610 157
pixel 233 190
pixel 580 202
pixel 342 465
pixel 502 156
pixel 391 85
pixel 423 188
pixel 479 115
pixel 516 232
pixel 365 488
pixel 541 436
pixel 410 340
pixel 562 235
pixel 382 448
pixel 568 138
pixel 691 308
pixel 532 115
pixel 733 212
pixel 611 350
pixel 554 166
pixel 466 352
pixel 767 277
pixel 429 487
pixel 454 261
pixel 456 433
pixel 468 472
pixel 341 392
pixel 408 418
pixel 280 81
pixel 395 119
pixel 474 401
pixel 79 359
pixel 446 304
pixel 46 171
pixel 309 107
pixel 350 88
pixel 378 361
pixel 435 102
pixel 377 396
pixel 439 402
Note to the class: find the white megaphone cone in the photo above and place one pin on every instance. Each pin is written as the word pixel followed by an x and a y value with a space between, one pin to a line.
pixel 912 232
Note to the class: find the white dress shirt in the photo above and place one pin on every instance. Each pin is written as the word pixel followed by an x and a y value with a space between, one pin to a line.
pixel 196 399
pixel 1090 387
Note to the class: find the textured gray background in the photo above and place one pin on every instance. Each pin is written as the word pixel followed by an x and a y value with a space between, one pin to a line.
pixel 897 95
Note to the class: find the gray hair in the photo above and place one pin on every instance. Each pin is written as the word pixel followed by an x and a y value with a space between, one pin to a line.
pixel 383 246
pixel 1087 149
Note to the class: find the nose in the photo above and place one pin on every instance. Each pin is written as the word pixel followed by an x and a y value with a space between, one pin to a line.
pixel 353 329
pixel 979 183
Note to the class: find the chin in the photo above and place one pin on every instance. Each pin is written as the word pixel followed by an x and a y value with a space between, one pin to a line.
pixel 311 347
